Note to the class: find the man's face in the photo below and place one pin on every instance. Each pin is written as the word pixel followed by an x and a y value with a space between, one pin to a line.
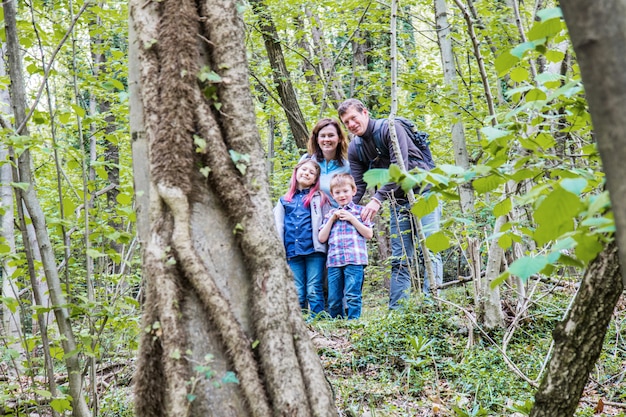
pixel 355 121
pixel 343 194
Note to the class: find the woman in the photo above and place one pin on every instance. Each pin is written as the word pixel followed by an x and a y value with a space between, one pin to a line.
pixel 328 145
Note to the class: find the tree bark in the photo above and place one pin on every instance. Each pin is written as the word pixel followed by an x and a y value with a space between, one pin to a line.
pixel 461 157
pixel 219 294
pixel 579 337
pixel 598 33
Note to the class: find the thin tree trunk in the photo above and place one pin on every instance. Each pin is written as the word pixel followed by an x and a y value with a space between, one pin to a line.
pixel 287 93
pixel 18 99
pixel 489 308
pixel 461 157
pixel 578 339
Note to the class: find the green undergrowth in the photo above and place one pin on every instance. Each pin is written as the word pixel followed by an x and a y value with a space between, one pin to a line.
pixel 428 359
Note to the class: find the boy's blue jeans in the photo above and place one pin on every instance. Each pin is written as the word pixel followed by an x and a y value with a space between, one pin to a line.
pixel 403 241
pixel 308 272
pixel 345 281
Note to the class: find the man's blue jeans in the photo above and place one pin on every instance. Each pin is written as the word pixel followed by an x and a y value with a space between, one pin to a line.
pixel 403 245
pixel 308 271
pixel 345 281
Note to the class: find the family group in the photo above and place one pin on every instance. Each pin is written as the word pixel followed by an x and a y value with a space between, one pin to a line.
pixel 323 227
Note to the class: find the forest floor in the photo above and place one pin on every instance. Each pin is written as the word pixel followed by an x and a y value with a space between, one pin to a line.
pixel 430 359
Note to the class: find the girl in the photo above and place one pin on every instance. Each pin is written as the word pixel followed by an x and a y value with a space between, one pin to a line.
pixel 299 215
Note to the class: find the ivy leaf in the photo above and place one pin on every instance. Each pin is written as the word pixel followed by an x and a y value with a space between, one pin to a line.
pixel 230 378
pixel 241 161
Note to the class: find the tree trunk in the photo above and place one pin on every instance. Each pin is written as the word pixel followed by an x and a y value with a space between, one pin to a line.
pixel 286 92
pixel 461 157
pixel 598 33
pixel 489 307
pixel 220 304
pixel 579 337
pixel 30 200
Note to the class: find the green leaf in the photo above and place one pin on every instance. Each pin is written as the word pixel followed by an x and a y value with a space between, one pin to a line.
pixel 547 14
pixel 588 246
pixel 503 207
pixel 488 183
pixel 520 74
pixel 574 185
pixel 377 176
pixel 425 205
pixel 544 140
pixel 528 266
pixel 93 253
pixel 4 248
pixel 492 133
pixel 554 215
pixel 60 405
pixel 437 242
pixel 78 110
pixel 241 160
pixel 535 95
pixel 21 185
pixel 124 199
pixel 230 378
pixel 522 48
pixel 545 29
pixel 505 62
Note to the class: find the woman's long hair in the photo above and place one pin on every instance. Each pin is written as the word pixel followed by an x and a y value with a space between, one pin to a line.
pixel 293 184
pixel 342 146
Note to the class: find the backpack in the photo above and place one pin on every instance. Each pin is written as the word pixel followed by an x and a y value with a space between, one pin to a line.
pixel 419 138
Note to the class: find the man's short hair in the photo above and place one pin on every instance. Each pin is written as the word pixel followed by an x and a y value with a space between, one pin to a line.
pixel 342 179
pixel 351 102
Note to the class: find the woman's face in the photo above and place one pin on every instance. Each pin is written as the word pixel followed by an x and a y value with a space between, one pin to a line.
pixel 328 139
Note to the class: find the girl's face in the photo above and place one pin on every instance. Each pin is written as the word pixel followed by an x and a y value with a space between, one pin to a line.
pixel 328 139
pixel 306 176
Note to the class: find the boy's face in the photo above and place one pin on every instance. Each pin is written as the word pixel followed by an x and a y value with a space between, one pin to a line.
pixel 343 193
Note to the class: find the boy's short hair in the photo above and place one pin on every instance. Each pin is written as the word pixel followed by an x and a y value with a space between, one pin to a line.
pixel 342 179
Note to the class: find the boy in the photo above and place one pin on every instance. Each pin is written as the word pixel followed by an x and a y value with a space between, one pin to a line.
pixel 346 234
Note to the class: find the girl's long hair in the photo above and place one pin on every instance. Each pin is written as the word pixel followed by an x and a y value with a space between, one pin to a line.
pixel 342 145
pixel 293 184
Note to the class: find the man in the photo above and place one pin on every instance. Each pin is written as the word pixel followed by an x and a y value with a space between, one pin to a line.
pixel 356 118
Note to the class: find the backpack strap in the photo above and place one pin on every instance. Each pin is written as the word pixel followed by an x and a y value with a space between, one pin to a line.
pixel 381 149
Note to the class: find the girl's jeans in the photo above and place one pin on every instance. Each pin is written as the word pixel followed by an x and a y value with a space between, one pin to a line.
pixel 308 272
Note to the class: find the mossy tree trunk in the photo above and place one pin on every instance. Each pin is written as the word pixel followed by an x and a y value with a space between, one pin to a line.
pixel 579 337
pixel 224 333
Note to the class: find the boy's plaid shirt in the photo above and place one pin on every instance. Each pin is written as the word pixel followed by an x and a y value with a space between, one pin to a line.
pixel 346 246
